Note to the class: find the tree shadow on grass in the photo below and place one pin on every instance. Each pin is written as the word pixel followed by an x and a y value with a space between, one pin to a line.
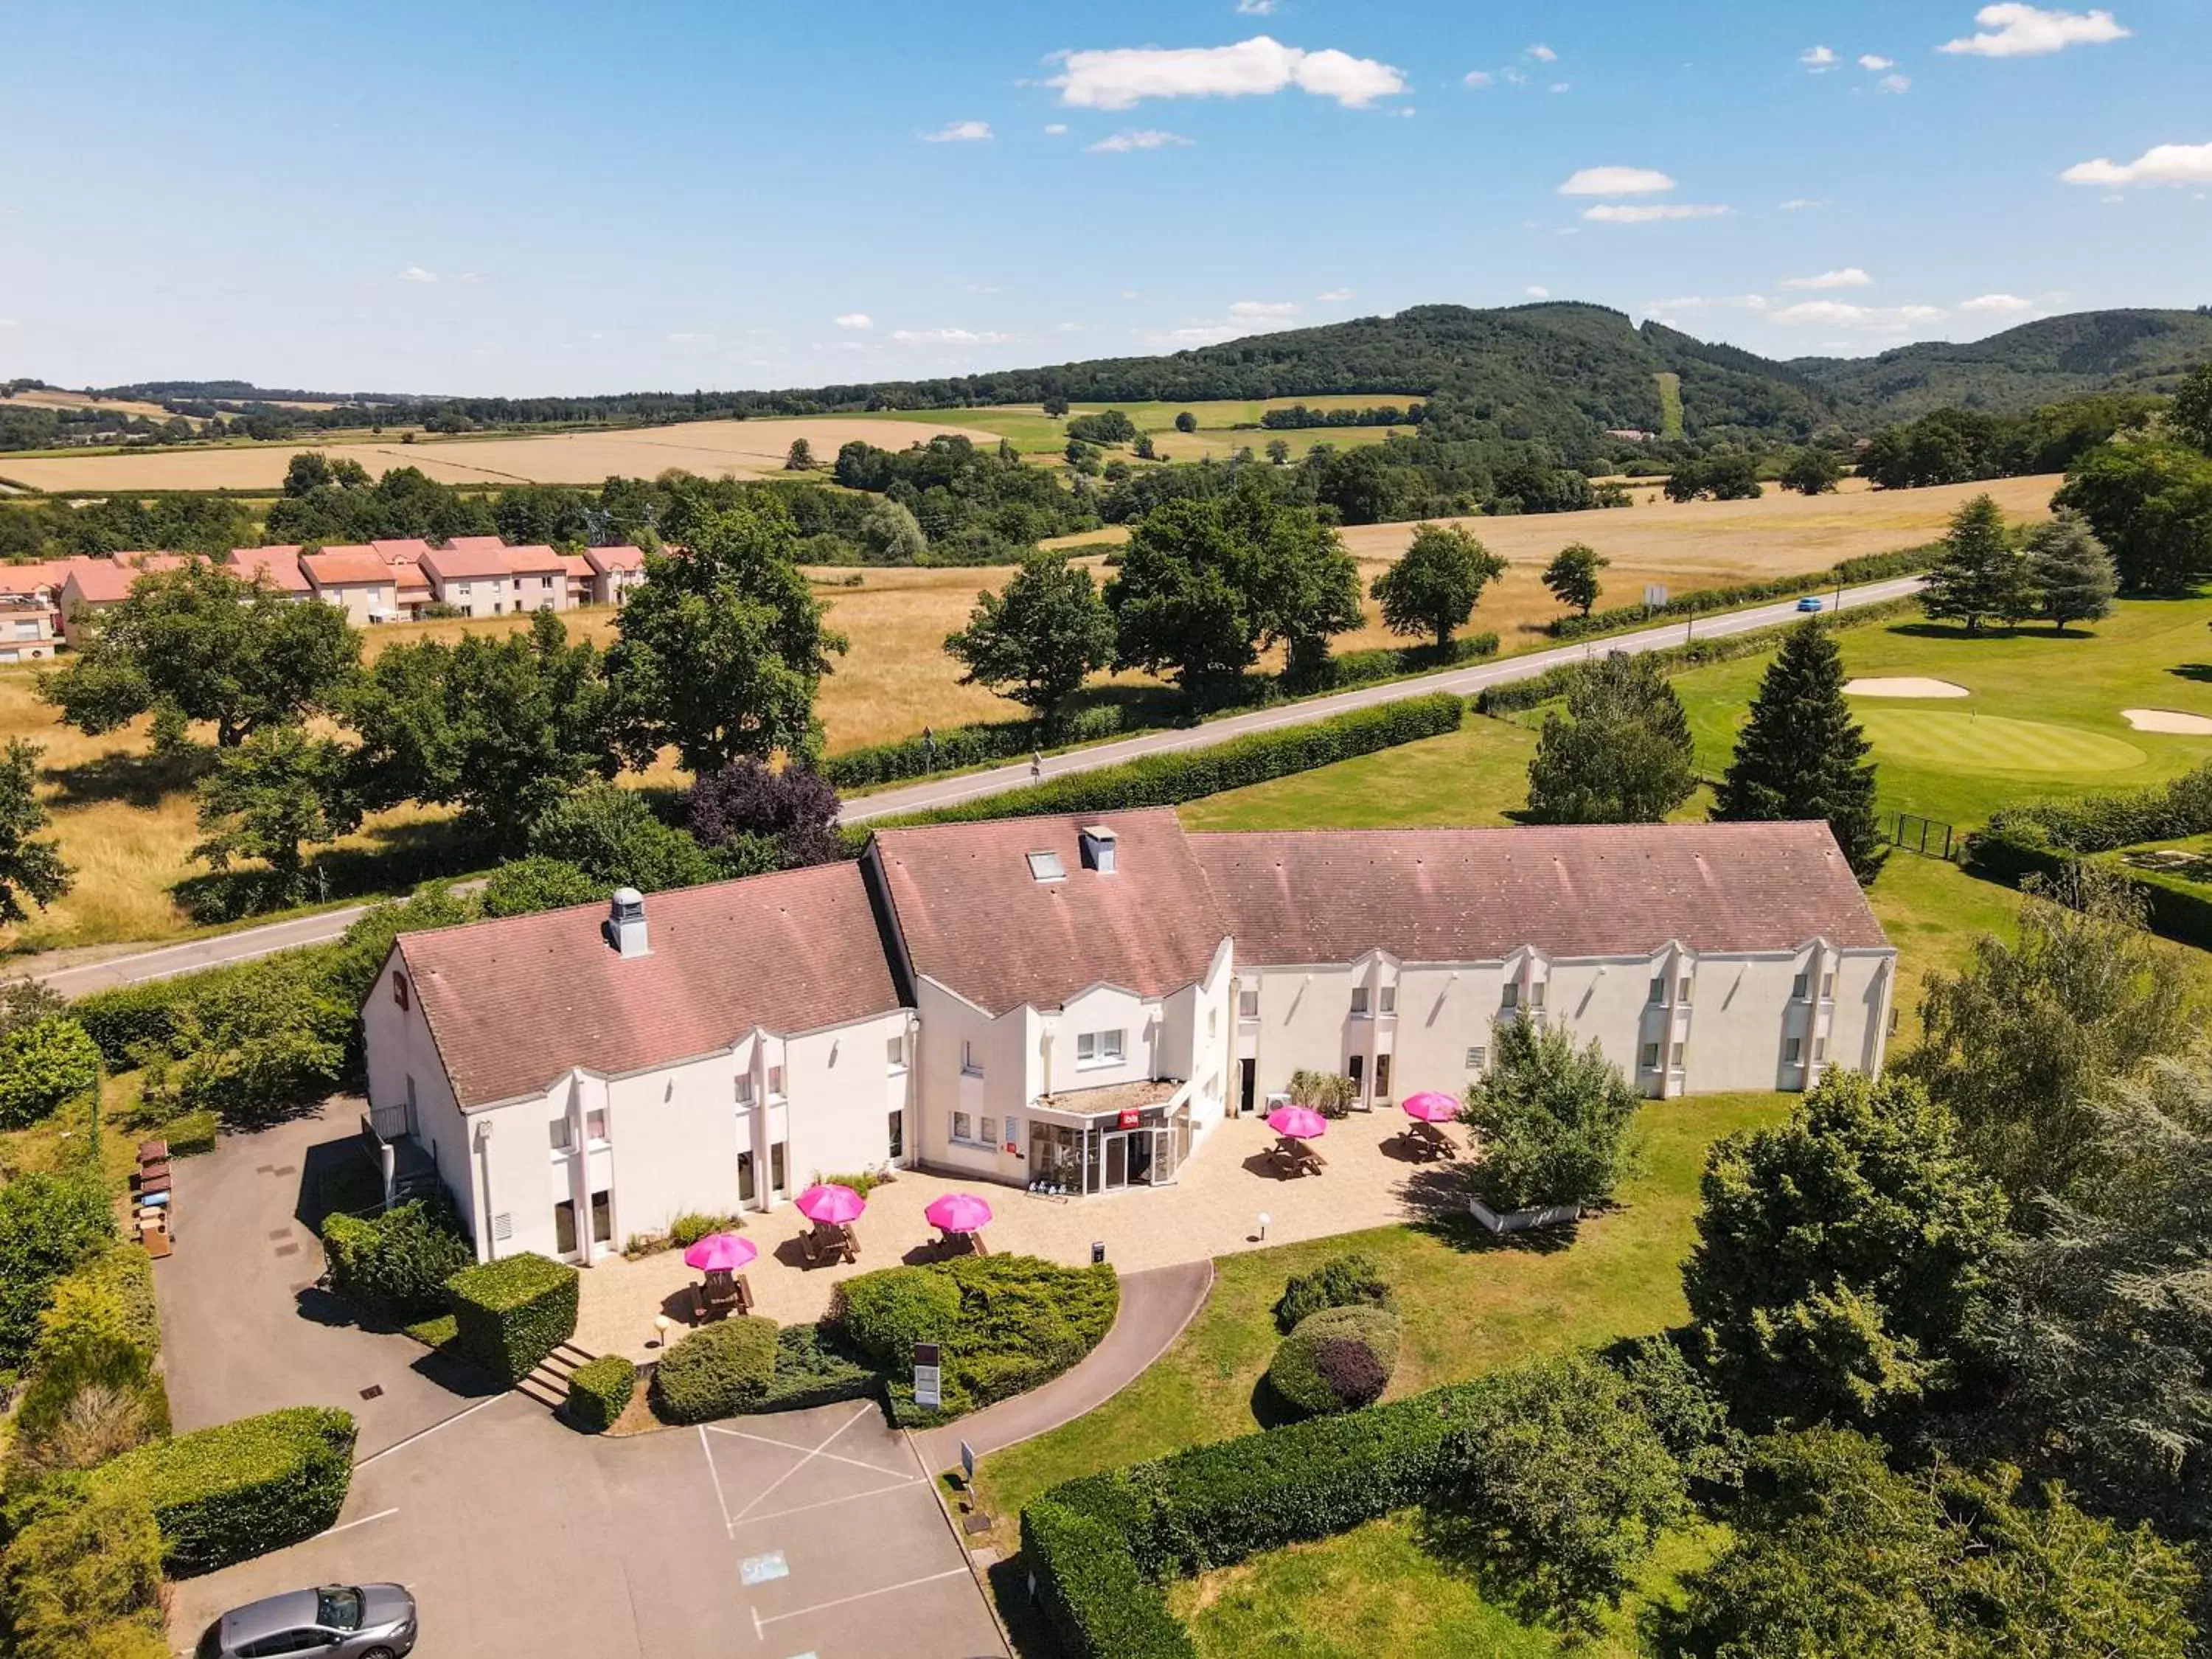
pixel 1458 1228
pixel 143 780
pixel 1509 1574
pixel 2200 673
pixel 1018 1610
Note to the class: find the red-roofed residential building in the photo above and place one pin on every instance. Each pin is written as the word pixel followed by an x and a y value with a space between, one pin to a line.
pixel 93 584
pixel 476 544
pixel 1076 1003
pixel 37 584
pixel 358 581
pixel 405 550
pixel 475 580
pixel 540 576
pixel 581 576
pixel 619 570
pixel 278 567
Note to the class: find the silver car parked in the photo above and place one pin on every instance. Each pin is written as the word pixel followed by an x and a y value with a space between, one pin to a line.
pixel 335 1621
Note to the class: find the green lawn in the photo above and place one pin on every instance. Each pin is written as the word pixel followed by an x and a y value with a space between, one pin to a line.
pixel 1471 1304
pixel 1387 1590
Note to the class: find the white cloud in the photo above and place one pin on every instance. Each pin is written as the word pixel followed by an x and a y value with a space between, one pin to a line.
pixel 1055 129
pixel 1256 7
pixel 948 336
pixel 2162 164
pixel 1897 83
pixel 1849 276
pixel 1562 86
pixel 959 132
pixel 1335 295
pixel 1819 59
pixel 1122 77
pixel 1801 204
pixel 1138 138
pixel 417 274
pixel 1616 213
pixel 1273 308
pixel 1616 181
pixel 11 322
pixel 1870 62
pixel 469 276
pixel 859 319
pixel 2014 30
pixel 1543 54
pixel 1537 291
pixel 1996 305
pixel 1071 328
pixel 1837 313
pixel 1477 78
pixel 1710 302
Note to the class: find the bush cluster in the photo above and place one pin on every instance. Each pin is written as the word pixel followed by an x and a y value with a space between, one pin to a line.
pixel 599 1393
pixel 718 1370
pixel 2173 907
pixel 94 1390
pixel 1350 1281
pixel 42 1064
pixel 240 1489
pixel 1004 1324
pixel 965 745
pixel 49 1225
pixel 396 1265
pixel 815 1367
pixel 2104 823
pixel 509 1314
pixel 83 1581
pixel 1336 1360
pixel 1171 779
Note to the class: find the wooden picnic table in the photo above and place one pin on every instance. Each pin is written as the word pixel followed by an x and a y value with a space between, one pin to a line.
pixel 1430 1139
pixel 952 1243
pixel 828 1241
pixel 1293 1158
pixel 722 1295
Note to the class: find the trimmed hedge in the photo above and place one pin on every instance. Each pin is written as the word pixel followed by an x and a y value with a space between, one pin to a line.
pixel 396 1265
pixel 83 1581
pixel 1389 662
pixel 509 1314
pixel 1870 568
pixel 1096 1603
pixel 1337 1360
pixel 1350 1281
pixel 240 1490
pixel 1168 779
pixel 814 1368
pixel 599 1393
pixel 718 1370
pixel 2173 907
pixel 966 745
pixel 2105 823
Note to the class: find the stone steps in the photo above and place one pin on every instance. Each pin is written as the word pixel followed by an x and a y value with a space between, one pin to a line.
pixel 548 1384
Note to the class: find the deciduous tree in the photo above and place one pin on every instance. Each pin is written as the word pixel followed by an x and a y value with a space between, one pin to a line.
pixel 1185 422
pixel 273 792
pixel 792 812
pixel 1039 638
pixel 1621 754
pixel 29 868
pixel 2149 501
pixel 1571 576
pixel 1436 583
pixel 1801 754
pixel 1554 1119
pixel 1811 471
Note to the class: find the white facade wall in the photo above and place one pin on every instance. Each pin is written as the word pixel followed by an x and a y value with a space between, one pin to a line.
pixel 363 603
pixel 537 590
pixel 474 596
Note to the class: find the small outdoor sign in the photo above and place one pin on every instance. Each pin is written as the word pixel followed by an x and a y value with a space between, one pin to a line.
pixel 929 1379
pixel 1654 595
pixel 1129 1117
pixel 968 1462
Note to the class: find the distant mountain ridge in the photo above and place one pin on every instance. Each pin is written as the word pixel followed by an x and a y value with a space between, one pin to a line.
pixel 1557 369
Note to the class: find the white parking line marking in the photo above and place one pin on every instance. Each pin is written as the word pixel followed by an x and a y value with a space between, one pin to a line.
pixel 850 1497
pixel 400 1445
pixel 350 1525
pixel 714 1475
pixel 834 1457
pixel 820 1607
pixel 732 1519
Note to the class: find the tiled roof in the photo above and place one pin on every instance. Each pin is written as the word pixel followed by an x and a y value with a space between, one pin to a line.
pixel 461 563
pixel 278 566
pixel 975 919
pixel 534 560
pixel 475 543
pixel 607 559
pixel 516 1003
pixel 102 581
pixel 406 549
pixel 359 567
pixel 576 565
pixel 29 578
pixel 1299 896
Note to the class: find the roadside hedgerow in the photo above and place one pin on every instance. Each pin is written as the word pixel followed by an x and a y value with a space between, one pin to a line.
pixel 43 1064
pixel 49 1225
pixel 240 1489
pixel 718 1370
pixel 599 1393
pixel 509 1314
pixel 395 1265
pixel 1350 1281
pixel 1336 1360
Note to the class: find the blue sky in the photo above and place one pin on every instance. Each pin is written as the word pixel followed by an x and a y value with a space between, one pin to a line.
pixel 506 198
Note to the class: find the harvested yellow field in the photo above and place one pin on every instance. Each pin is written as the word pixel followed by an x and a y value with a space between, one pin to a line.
pixel 34 397
pixel 743 449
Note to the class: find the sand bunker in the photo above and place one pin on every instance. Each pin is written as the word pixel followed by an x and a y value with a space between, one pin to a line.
pixel 1908 685
pixel 2167 719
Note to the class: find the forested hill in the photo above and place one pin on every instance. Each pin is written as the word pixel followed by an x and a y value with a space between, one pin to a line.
pixel 2036 364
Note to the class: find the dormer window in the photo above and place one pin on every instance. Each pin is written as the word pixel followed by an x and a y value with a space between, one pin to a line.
pixel 399 990
pixel 1047 866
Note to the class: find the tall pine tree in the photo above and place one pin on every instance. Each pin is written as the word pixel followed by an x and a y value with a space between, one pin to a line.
pixel 1978 574
pixel 1801 755
pixel 2074 576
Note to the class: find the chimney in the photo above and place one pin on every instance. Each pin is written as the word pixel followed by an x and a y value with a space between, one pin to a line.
pixel 624 927
pixel 1097 849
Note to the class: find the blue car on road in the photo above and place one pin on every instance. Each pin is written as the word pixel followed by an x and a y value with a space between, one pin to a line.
pixel 1810 602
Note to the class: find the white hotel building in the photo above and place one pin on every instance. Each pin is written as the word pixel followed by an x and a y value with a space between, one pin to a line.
pixel 1078 1002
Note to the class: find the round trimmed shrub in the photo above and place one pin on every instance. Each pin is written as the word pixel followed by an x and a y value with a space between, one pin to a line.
pixel 717 1371
pixel 1336 1360
pixel 884 1313
pixel 42 1065
pixel 1350 1281
pixel 600 1392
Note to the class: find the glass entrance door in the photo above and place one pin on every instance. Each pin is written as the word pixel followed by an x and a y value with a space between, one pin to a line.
pixel 1163 1158
pixel 1117 1162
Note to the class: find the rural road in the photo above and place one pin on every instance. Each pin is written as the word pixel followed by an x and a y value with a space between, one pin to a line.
pixel 132 966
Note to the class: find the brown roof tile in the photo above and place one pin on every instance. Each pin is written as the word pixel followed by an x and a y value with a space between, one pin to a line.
pixel 359 567
pixel 975 921
pixel 514 1004
pixel 458 562
pixel 606 560
pixel 534 560
pixel 1475 895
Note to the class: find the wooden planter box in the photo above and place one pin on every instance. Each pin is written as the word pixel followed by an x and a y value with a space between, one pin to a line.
pixel 1520 1221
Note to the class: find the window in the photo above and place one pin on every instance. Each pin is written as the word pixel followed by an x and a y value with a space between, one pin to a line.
pixel 896 1140
pixel 776 1083
pixel 399 990
pixel 564 1227
pixel 1381 1077
pixel 969 1063
pixel 1359 1002
pixel 1680 1050
pixel 1511 999
pixel 1682 991
pixel 989 1136
pixel 1793 1049
pixel 1536 993
pixel 1804 983
pixel 1827 987
pixel 776 1161
pixel 1820 1048
pixel 745 1177
pixel 746 1090
pixel 1477 1058
pixel 1358 1072
pixel 964 1127
pixel 1047 866
pixel 1248 1004
pixel 1651 1054
pixel 1013 1132
pixel 1099 1047
pixel 1213 1022
pixel 602 1218
pixel 1386 1000
pixel 462 588
pixel 895 1053
pixel 595 1125
pixel 1658 989
pixel 560 1135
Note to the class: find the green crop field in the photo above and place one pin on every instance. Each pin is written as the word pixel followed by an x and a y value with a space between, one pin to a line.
pixel 1224 426
pixel 1670 404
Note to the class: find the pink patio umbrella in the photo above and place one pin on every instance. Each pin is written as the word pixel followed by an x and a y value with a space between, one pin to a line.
pixel 720 1253
pixel 957 1213
pixel 1431 1107
pixel 1298 1122
pixel 832 1204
